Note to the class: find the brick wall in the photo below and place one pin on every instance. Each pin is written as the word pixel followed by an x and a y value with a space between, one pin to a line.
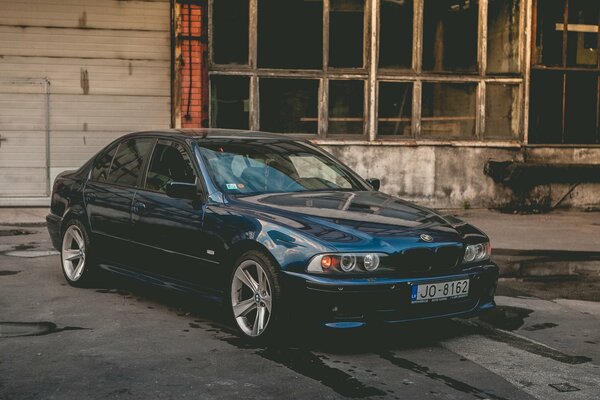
pixel 191 65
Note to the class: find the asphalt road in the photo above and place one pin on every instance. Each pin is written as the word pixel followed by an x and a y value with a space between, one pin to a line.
pixel 125 340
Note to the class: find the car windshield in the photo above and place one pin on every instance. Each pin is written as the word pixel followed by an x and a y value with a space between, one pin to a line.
pixel 255 167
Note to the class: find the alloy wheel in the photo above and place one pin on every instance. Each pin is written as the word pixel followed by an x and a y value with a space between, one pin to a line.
pixel 73 253
pixel 251 298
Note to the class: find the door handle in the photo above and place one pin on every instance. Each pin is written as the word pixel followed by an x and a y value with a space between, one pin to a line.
pixel 90 197
pixel 139 207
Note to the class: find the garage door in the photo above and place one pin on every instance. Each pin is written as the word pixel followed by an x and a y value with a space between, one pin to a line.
pixel 23 138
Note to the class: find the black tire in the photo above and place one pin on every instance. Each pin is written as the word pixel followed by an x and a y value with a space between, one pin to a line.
pixel 89 272
pixel 276 315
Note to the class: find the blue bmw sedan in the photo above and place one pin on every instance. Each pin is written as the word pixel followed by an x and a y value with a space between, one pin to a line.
pixel 269 225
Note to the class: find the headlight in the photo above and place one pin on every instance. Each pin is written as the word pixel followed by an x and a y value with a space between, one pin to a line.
pixel 345 262
pixel 477 252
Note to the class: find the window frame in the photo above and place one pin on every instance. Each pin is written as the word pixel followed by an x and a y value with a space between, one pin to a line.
pixel 200 185
pixel 372 75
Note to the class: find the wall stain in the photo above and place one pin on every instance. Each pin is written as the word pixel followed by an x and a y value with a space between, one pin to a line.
pixel 82 23
pixel 85 81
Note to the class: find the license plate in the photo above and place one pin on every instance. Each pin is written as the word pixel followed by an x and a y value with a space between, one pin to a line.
pixel 439 291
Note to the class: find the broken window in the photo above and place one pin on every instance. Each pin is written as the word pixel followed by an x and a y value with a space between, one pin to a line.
pixel 503 36
pixel 289 105
pixel 346 107
pixel 502 114
pixel 545 109
pixel 230 31
pixel 395 109
pixel 290 34
pixel 448 110
pixel 582 33
pixel 564 101
pixel 396 34
pixel 346 23
pixel 230 101
pixel 449 42
pixel 549 34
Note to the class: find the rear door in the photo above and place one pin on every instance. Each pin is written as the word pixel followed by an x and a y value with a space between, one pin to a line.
pixel 109 196
pixel 170 230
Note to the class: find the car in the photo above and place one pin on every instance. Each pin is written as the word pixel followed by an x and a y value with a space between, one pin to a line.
pixel 271 226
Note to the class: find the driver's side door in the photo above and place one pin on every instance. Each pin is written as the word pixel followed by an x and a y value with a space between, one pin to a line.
pixel 170 230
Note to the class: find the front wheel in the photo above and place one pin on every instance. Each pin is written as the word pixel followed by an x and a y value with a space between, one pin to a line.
pixel 255 295
pixel 76 262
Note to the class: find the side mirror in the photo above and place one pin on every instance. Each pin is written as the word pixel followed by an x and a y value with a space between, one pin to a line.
pixel 374 182
pixel 181 190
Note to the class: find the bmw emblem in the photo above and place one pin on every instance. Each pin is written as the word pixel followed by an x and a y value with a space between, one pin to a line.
pixel 426 238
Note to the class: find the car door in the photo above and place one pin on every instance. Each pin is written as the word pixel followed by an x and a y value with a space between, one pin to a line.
pixel 108 197
pixel 170 230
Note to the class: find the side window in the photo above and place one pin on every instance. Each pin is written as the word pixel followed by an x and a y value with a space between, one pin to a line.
pixel 128 162
pixel 170 162
pixel 102 165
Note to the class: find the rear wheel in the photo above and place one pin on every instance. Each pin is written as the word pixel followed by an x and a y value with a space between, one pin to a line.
pixel 255 295
pixel 76 263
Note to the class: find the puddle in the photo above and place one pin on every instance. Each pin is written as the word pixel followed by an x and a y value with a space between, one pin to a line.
pixel 539 327
pixel 31 253
pixel 6 273
pixel 15 232
pixel 17 329
pixel 506 318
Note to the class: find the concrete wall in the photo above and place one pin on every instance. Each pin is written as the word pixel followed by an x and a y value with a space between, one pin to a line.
pixel 453 177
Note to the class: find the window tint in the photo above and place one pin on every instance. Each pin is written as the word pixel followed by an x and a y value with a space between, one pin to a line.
pixel 170 162
pixel 102 165
pixel 128 162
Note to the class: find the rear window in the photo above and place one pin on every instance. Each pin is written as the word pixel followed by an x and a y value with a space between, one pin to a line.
pixel 129 160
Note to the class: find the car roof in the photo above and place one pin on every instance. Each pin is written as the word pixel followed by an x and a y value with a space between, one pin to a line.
pixel 212 133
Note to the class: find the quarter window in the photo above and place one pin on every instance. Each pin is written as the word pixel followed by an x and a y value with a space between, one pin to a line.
pixel 102 165
pixel 128 161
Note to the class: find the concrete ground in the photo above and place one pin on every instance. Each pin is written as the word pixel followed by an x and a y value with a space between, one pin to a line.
pixel 121 339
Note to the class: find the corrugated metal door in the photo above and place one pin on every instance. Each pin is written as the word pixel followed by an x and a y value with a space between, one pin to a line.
pixel 23 138
pixel 108 63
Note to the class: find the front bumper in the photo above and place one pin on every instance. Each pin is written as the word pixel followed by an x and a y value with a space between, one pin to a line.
pixel 339 302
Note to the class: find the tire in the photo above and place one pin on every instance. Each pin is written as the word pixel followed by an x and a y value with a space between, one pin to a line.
pixel 256 303
pixel 76 262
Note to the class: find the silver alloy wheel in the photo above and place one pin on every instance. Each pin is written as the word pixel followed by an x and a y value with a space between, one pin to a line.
pixel 73 253
pixel 251 298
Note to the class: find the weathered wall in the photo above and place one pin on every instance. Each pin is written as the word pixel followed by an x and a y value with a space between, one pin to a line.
pixel 453 177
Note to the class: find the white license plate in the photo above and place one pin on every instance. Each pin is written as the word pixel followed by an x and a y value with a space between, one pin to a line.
pixel 439 291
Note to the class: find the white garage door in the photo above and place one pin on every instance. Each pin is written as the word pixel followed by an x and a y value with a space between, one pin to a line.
pixel 23 138
pixel 108 64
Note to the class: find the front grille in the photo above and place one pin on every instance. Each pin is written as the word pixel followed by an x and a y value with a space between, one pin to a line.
pixel 426 259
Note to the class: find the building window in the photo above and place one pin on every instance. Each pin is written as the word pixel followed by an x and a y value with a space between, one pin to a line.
pixel 450 35
pixel 289 105
pixel 365 69
pixel 564 73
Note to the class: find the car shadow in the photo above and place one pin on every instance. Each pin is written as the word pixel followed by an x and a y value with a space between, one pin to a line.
pixel 215 318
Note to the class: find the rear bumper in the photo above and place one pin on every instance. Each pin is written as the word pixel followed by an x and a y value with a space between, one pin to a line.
pixel 54 224
pixel 350 303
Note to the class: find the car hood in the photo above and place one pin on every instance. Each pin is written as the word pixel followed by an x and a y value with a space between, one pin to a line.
pixel 374 220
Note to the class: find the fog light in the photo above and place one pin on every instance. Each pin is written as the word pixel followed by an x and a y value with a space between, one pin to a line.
pixel 347 262
pixel 371 262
